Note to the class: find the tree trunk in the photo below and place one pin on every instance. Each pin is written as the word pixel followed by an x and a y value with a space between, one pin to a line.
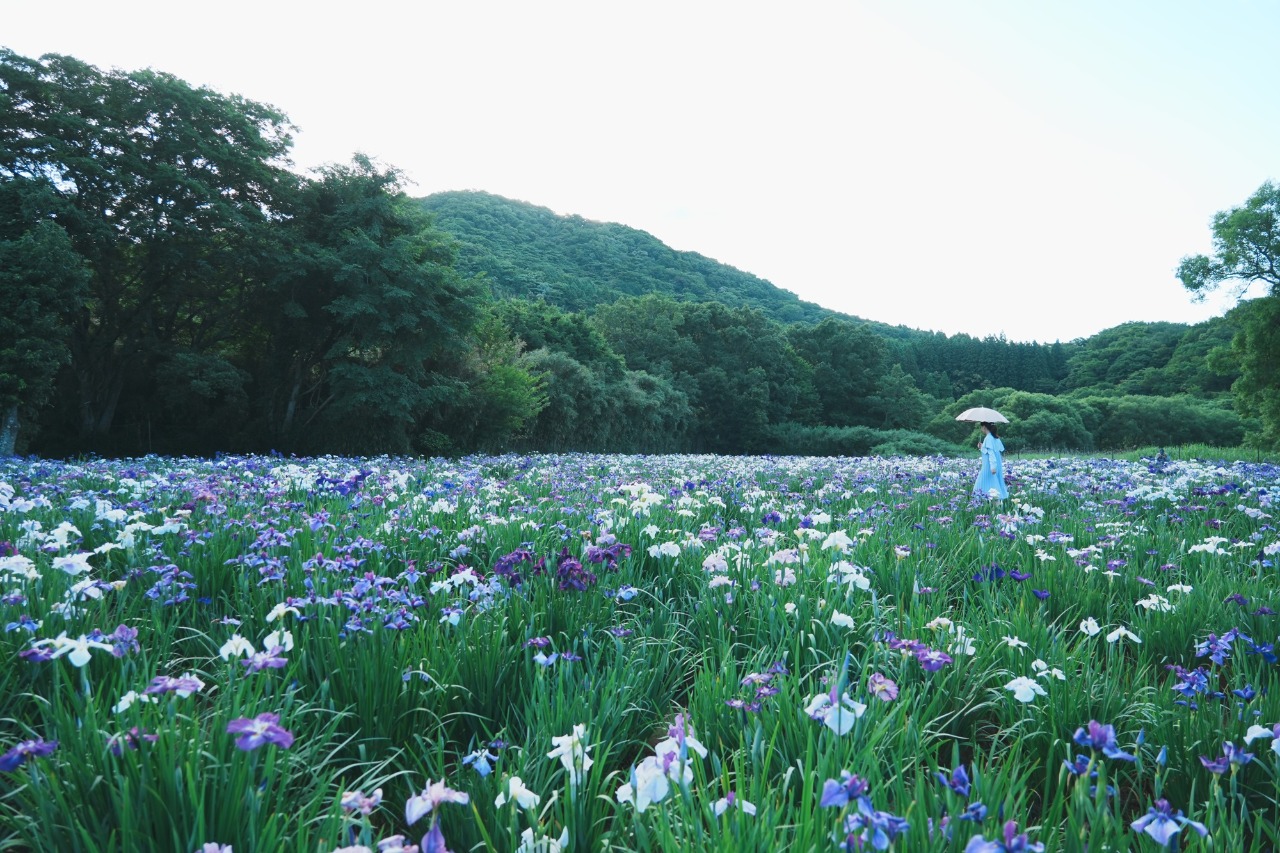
pixel 9 430
pixel 292 406
pixel 109 409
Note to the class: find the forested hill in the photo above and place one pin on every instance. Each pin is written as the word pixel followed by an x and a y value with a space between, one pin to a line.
pixel 573 263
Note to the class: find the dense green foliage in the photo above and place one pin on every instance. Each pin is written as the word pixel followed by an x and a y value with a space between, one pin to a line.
pixel 230 303
pixel 1246 250
pixel 181 290
pixel 1088 421
pixel 366 321
pixel 42 282
pixel 528 251
pixel 161 189
pixel 1256 348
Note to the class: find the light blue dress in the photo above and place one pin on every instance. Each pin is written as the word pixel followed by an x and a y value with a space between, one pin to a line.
pixel 992 459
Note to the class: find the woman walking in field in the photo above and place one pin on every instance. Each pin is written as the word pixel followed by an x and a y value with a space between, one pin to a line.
pixel 990 482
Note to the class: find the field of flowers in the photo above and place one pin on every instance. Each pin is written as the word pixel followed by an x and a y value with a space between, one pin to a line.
pixel 578 652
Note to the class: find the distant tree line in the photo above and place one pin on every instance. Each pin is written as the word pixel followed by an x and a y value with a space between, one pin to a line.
pixel 170 285
pixel 654 373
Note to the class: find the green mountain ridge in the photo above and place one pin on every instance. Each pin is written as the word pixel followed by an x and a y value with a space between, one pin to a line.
pixel 526 251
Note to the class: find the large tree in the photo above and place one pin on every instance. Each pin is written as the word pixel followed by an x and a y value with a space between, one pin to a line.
pixel 42 282
pixel 163 189
pixel 367 323
pixel 1246 250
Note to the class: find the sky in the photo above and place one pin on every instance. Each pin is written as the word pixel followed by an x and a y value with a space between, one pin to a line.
pixel 989 167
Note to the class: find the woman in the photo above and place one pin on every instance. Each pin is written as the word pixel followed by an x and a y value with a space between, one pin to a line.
pixel 990 482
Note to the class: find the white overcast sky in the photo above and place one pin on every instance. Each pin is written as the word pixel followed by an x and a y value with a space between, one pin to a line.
pixel 1035 169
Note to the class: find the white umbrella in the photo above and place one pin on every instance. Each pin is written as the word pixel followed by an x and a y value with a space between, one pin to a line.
pixel 982 415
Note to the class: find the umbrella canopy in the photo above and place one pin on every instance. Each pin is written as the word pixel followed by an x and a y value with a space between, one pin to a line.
pixel 982 415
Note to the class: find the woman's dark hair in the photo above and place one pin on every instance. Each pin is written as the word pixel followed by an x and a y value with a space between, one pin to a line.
pixel 991 428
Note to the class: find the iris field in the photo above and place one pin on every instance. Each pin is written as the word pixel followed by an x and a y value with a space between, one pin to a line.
pixel 555 653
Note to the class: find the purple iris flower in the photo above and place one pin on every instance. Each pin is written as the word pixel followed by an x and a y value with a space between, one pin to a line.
pixel 1190 682
pixel 1230 758
pixel 1162 823
pixel 1019 576
pixel 258 731
pixel 676 730
pixel 991 573
pixel 270 659
pixel 1215 648
pixel 571 573
pixel 932 660
pixel 1080 766
pixel 1267 650
pixel 958 781
pixel 870 826
pixel 25 623
pixel 849 788
pixel 903 644
pixel 184 685
pixel 124 640
pixel 130 740
pixel 884 689
pixel 1101 738
pixel 1041 594
pixel 1235 634
pixel 18 754
pixel 401 620
pixel 433 841
pixel 1014 842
